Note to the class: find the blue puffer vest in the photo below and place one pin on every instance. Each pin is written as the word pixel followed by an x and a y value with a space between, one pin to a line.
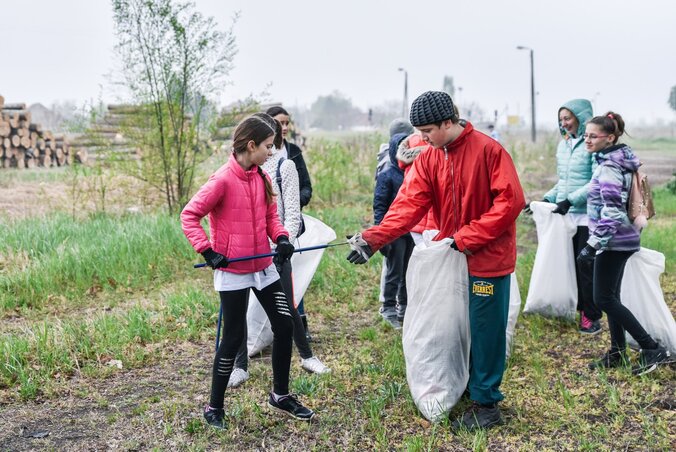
pixel 574 165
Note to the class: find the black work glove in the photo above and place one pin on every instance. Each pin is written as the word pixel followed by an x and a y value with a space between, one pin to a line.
pixel 385 250
pixel 587 255
pixel 562 207
pixel 361 251
pixel 454 245
pixel 284 248
pixel 215 260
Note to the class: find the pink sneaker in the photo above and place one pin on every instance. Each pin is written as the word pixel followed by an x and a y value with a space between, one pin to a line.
pixel 585 323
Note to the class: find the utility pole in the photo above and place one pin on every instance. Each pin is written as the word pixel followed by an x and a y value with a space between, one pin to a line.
pixel 532 90
pixel 404 109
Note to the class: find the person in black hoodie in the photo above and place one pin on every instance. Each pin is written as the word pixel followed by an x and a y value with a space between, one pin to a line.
pixel 294 153
pixel 397 253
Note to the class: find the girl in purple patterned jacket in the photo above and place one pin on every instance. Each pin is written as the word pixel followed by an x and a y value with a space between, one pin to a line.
pixel 612 240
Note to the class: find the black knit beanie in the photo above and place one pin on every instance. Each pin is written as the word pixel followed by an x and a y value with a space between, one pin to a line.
pixel 431 107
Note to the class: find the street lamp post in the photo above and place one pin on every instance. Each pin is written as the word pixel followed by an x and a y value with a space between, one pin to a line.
pixel 404 109
pixel 532 91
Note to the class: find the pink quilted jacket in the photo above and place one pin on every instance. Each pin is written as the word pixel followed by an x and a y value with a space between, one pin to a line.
pixel 240 219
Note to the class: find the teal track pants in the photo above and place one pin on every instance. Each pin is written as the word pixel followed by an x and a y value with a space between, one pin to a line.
pixel 488 311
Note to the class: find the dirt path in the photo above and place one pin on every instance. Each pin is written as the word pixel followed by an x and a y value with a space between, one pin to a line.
pixel 104 414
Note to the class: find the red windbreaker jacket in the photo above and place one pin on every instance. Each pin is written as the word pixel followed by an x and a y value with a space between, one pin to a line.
pixel 474 191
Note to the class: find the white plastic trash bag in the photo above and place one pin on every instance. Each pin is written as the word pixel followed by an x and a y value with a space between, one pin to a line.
pixel 436 336
pixel 553 287
pixel 642 295
pixel 304 267
pixel 513 313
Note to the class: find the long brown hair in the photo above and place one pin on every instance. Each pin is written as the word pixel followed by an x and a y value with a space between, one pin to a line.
pixel 256 128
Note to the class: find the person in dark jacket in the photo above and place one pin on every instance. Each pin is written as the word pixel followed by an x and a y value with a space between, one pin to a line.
pixel 399 251
pixel 293 153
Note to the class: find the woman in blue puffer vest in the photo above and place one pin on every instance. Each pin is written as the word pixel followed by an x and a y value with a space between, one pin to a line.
pixel 574 166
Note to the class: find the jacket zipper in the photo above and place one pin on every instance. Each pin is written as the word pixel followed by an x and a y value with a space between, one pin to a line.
pixel 455 216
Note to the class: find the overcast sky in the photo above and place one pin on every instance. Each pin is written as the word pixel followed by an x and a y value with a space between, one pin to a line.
pixel 619 53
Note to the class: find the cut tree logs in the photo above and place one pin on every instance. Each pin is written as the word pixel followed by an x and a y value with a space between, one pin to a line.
pixel 26 145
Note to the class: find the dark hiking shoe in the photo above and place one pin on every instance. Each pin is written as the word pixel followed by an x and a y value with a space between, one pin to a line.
pixel 592 329
pixel 215 417
pixel 610 360
pixel 291 406
pixel 649 360
pixel 479 416
pixel 389 314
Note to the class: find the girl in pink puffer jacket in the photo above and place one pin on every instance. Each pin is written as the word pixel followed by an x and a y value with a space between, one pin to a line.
pixel 239 201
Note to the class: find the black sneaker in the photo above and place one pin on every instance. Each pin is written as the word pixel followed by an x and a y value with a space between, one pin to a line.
pixel 591 330
pixel 389 314
pixel 609 360
pixel 215 417
pixel 290 405
pixel 479 416
pixel 649 360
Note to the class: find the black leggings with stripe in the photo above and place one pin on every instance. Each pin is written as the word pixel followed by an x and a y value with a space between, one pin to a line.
pixel 234 305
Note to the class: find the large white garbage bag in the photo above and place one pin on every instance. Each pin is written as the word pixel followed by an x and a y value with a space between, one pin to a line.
pixel 553 287
pixel 436 336
pixel 642 295
pixel 304 267
pixel 513 313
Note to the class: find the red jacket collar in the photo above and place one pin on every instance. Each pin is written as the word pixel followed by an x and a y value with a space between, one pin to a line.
pixel 461 138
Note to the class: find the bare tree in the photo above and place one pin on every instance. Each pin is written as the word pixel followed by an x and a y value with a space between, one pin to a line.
pixel 173 60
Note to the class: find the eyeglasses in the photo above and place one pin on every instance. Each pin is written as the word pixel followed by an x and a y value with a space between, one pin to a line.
pixel 592 136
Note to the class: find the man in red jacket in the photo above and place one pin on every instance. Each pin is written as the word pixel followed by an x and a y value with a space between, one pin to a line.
pixel 471 184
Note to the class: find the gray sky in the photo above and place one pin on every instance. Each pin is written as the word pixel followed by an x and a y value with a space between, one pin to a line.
pixel 621 54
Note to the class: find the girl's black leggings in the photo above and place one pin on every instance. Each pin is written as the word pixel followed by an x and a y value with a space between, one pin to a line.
pixel 608 272
pixel 234 304
pixel 299 338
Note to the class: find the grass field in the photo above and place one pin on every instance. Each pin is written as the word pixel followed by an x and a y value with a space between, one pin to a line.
pixel 106 335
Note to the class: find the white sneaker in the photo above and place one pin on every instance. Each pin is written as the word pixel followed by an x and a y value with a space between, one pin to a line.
pixel 315 366
pixel 237 377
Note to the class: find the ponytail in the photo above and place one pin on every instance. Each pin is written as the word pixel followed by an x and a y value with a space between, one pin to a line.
pixel 269 194
pixel 611 123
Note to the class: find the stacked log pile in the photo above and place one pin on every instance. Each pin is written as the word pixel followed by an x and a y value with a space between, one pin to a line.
pixel 24 144
pixel 105 139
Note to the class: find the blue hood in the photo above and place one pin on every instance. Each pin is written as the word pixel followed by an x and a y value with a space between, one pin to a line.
pixel 582 109
pixel 396 139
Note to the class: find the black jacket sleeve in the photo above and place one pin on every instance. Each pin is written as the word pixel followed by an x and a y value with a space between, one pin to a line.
pixel 382 197
pixel 304 183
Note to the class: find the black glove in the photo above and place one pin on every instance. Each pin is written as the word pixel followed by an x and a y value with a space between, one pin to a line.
pixel 361 251
pixel 527 209
pixel 215 260
pixel 562 207
pixel 385 250
pixel 587 255
pixel 454 245
pixel 284 248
